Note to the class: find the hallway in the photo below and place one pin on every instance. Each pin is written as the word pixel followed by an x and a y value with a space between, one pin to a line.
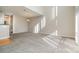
pixel 39 43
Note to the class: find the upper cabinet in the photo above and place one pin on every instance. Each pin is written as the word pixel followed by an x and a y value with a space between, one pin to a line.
pixel 1 18
pixel 7 19
pixel 4 19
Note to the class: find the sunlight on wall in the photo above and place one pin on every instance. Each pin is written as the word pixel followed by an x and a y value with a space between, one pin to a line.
pixel 77 29
pixel 53 13
pixel 56 11
pixel 40 25
pixel 43 23
pixel 54 17
pixel 76 23
pixel 37 28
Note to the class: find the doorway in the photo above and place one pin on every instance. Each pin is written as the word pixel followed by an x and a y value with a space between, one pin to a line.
pixel 8 19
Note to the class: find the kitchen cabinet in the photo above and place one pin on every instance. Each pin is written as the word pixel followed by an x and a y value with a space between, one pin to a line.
pixel 4 32
pixel 1 18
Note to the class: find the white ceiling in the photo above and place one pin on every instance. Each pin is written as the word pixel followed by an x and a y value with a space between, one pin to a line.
pixel 20 10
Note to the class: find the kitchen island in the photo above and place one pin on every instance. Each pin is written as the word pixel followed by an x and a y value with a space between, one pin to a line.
pixel 4 35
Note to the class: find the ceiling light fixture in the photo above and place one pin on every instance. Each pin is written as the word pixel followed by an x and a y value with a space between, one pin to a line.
pixel 28 20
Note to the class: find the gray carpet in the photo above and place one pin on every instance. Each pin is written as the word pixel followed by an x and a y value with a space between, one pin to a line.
pixel 39 43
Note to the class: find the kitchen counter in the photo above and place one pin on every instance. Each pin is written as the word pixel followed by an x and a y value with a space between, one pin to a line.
pixel 4 32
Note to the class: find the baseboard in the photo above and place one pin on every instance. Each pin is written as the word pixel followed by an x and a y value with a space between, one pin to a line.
pixel 71 37
pixel 20 32
pixel 49 34
pixel 68 37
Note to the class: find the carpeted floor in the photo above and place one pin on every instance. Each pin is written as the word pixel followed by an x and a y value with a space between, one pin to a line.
pixel 40 43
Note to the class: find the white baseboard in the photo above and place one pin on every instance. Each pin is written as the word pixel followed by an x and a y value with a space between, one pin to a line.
pixel 20 32
pixel 60 35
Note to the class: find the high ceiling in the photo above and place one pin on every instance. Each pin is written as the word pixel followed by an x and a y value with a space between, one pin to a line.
pixel 20 10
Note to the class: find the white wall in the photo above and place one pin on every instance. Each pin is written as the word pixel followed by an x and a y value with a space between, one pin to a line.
pixel 60 21
pixel 77 25
pixel 35 24
pixel 66 21
pixel 19 24
pixel 50 27
pixel 37 9
pixel 45 23
pixel 61 24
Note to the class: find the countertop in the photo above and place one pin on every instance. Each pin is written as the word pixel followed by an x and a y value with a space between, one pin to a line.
pixel 4 31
